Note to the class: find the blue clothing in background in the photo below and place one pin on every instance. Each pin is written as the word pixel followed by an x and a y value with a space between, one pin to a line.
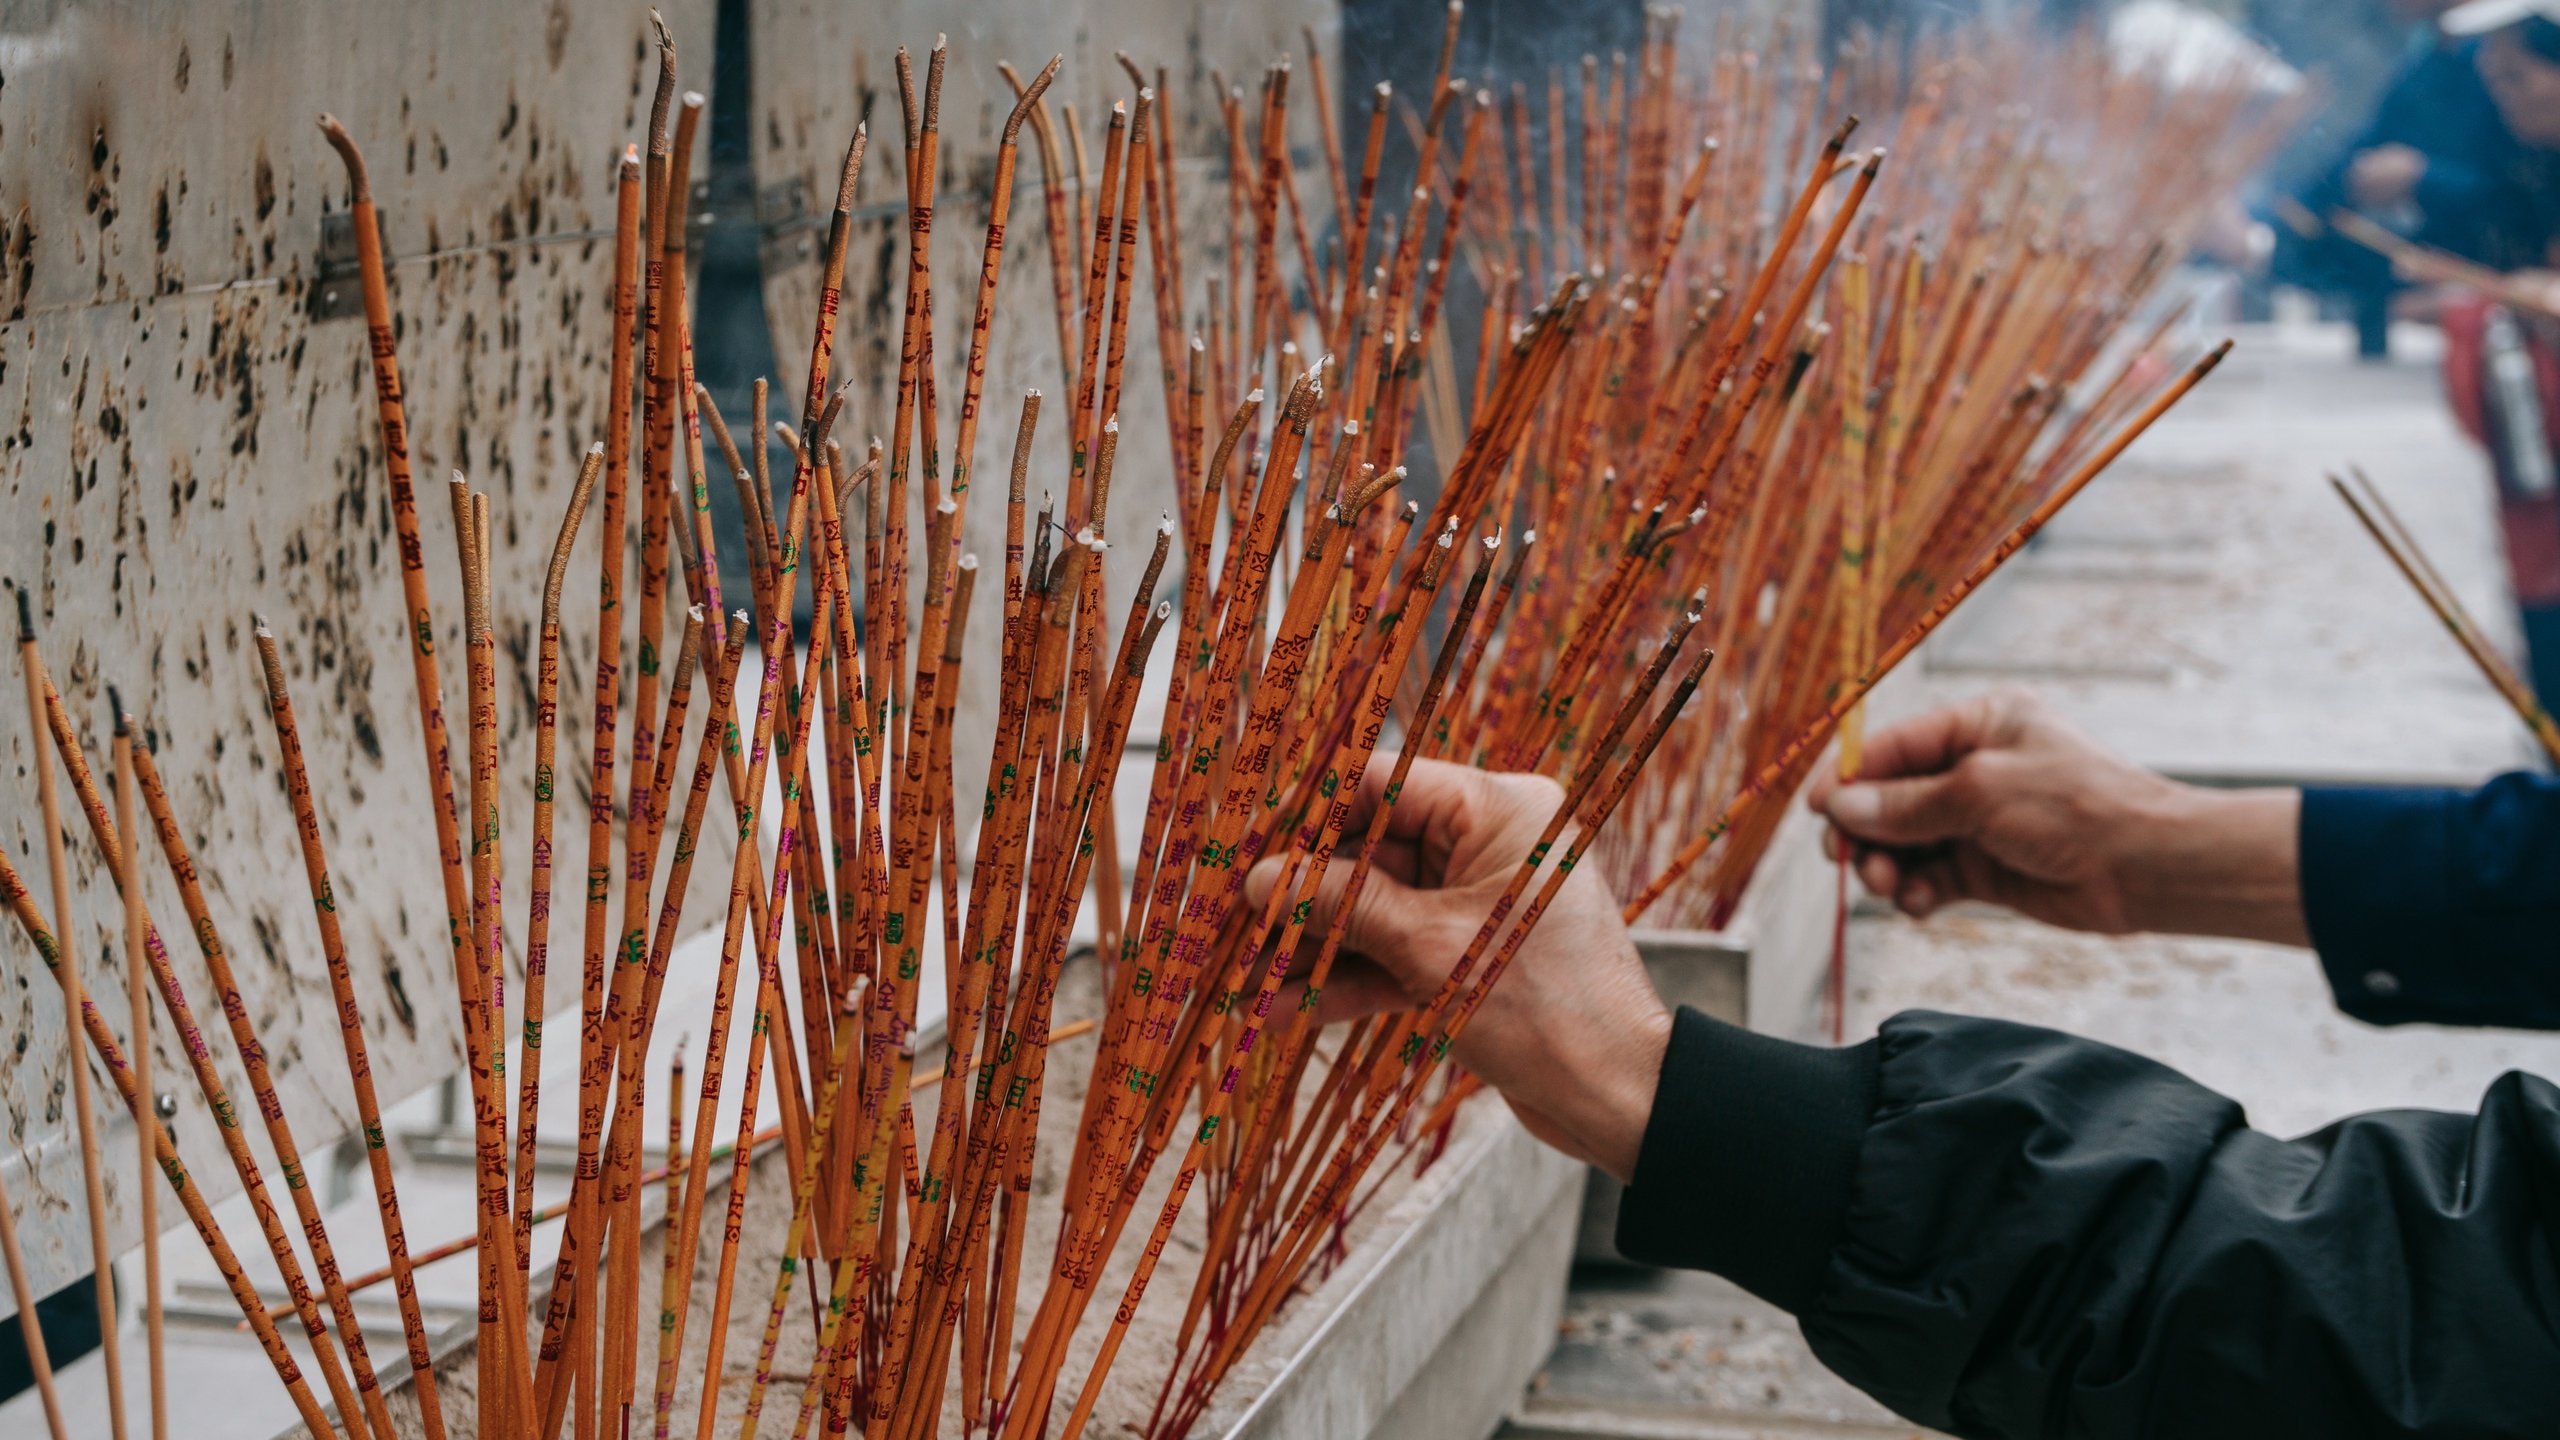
pixel 2438 106
pixel 2437 905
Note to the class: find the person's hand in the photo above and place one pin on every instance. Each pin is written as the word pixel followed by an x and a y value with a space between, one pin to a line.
pixel 2534 290
pixel 2386 176
pixel 2231 235
pixel 1999 800
pixel 1572 1034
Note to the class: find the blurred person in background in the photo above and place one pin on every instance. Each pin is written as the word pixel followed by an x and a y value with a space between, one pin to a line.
pixel 2424 163
pixel 2502 359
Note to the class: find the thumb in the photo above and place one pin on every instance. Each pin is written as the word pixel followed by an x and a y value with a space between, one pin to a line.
pixel 1921 810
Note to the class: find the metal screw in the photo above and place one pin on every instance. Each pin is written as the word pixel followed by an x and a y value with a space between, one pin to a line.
pixel 166 1102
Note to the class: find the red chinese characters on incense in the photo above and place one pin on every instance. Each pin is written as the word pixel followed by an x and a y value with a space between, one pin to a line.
pixel 1671 373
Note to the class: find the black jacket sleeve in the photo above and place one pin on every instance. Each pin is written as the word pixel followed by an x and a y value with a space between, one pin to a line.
pixel 2438 905
pixel 2004 1231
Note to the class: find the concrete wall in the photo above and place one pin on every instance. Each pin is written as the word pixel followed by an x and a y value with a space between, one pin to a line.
pixel 185 443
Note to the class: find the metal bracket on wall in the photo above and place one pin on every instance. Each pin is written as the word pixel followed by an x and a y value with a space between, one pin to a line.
pixel 340 291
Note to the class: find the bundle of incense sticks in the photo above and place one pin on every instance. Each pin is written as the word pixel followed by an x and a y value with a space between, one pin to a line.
pixel 1800 437
pixel 2382 522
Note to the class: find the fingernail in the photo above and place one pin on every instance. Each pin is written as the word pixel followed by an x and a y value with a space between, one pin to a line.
pixel 1856 805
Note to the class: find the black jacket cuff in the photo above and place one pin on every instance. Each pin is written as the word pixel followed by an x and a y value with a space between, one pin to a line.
pixel 1748 1157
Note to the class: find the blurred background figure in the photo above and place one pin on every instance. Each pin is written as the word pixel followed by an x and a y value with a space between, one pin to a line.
pixel 2422 162
pixel 2456 151
pixel 2502 355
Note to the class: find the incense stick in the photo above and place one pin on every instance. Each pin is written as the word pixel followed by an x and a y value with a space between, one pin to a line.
pixel 2375 515
pixel 146 1120
pixel 351 1033
pixel 74 1001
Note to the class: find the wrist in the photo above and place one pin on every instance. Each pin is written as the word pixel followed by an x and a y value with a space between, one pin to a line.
pixel 2200 861
pixel 1593 1076
pixel 1622 1101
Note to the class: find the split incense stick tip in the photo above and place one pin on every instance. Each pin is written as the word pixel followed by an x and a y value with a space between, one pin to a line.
pixel 359 186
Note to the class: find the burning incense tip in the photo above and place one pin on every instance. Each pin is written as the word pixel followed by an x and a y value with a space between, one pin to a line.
pixel 694 612
pixel 26 618
pixel 1111 426
pixel 969 561
pixel 737 617
pixel 1254 397
pixel 1493 541
pixel 115 707
pixel 695 100
pixel 598 447
pixel 1529 536
pixel 1164 523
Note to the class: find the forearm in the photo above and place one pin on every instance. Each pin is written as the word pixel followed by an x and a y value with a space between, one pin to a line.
pixel 2198 861
pixel 1999 1230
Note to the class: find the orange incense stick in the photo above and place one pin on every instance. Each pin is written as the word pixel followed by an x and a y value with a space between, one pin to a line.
pixel 138 1102
pixel 324 906
pixel 74 1000
pixel 30 1329
pixel 142 1099
pixel 253 1059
